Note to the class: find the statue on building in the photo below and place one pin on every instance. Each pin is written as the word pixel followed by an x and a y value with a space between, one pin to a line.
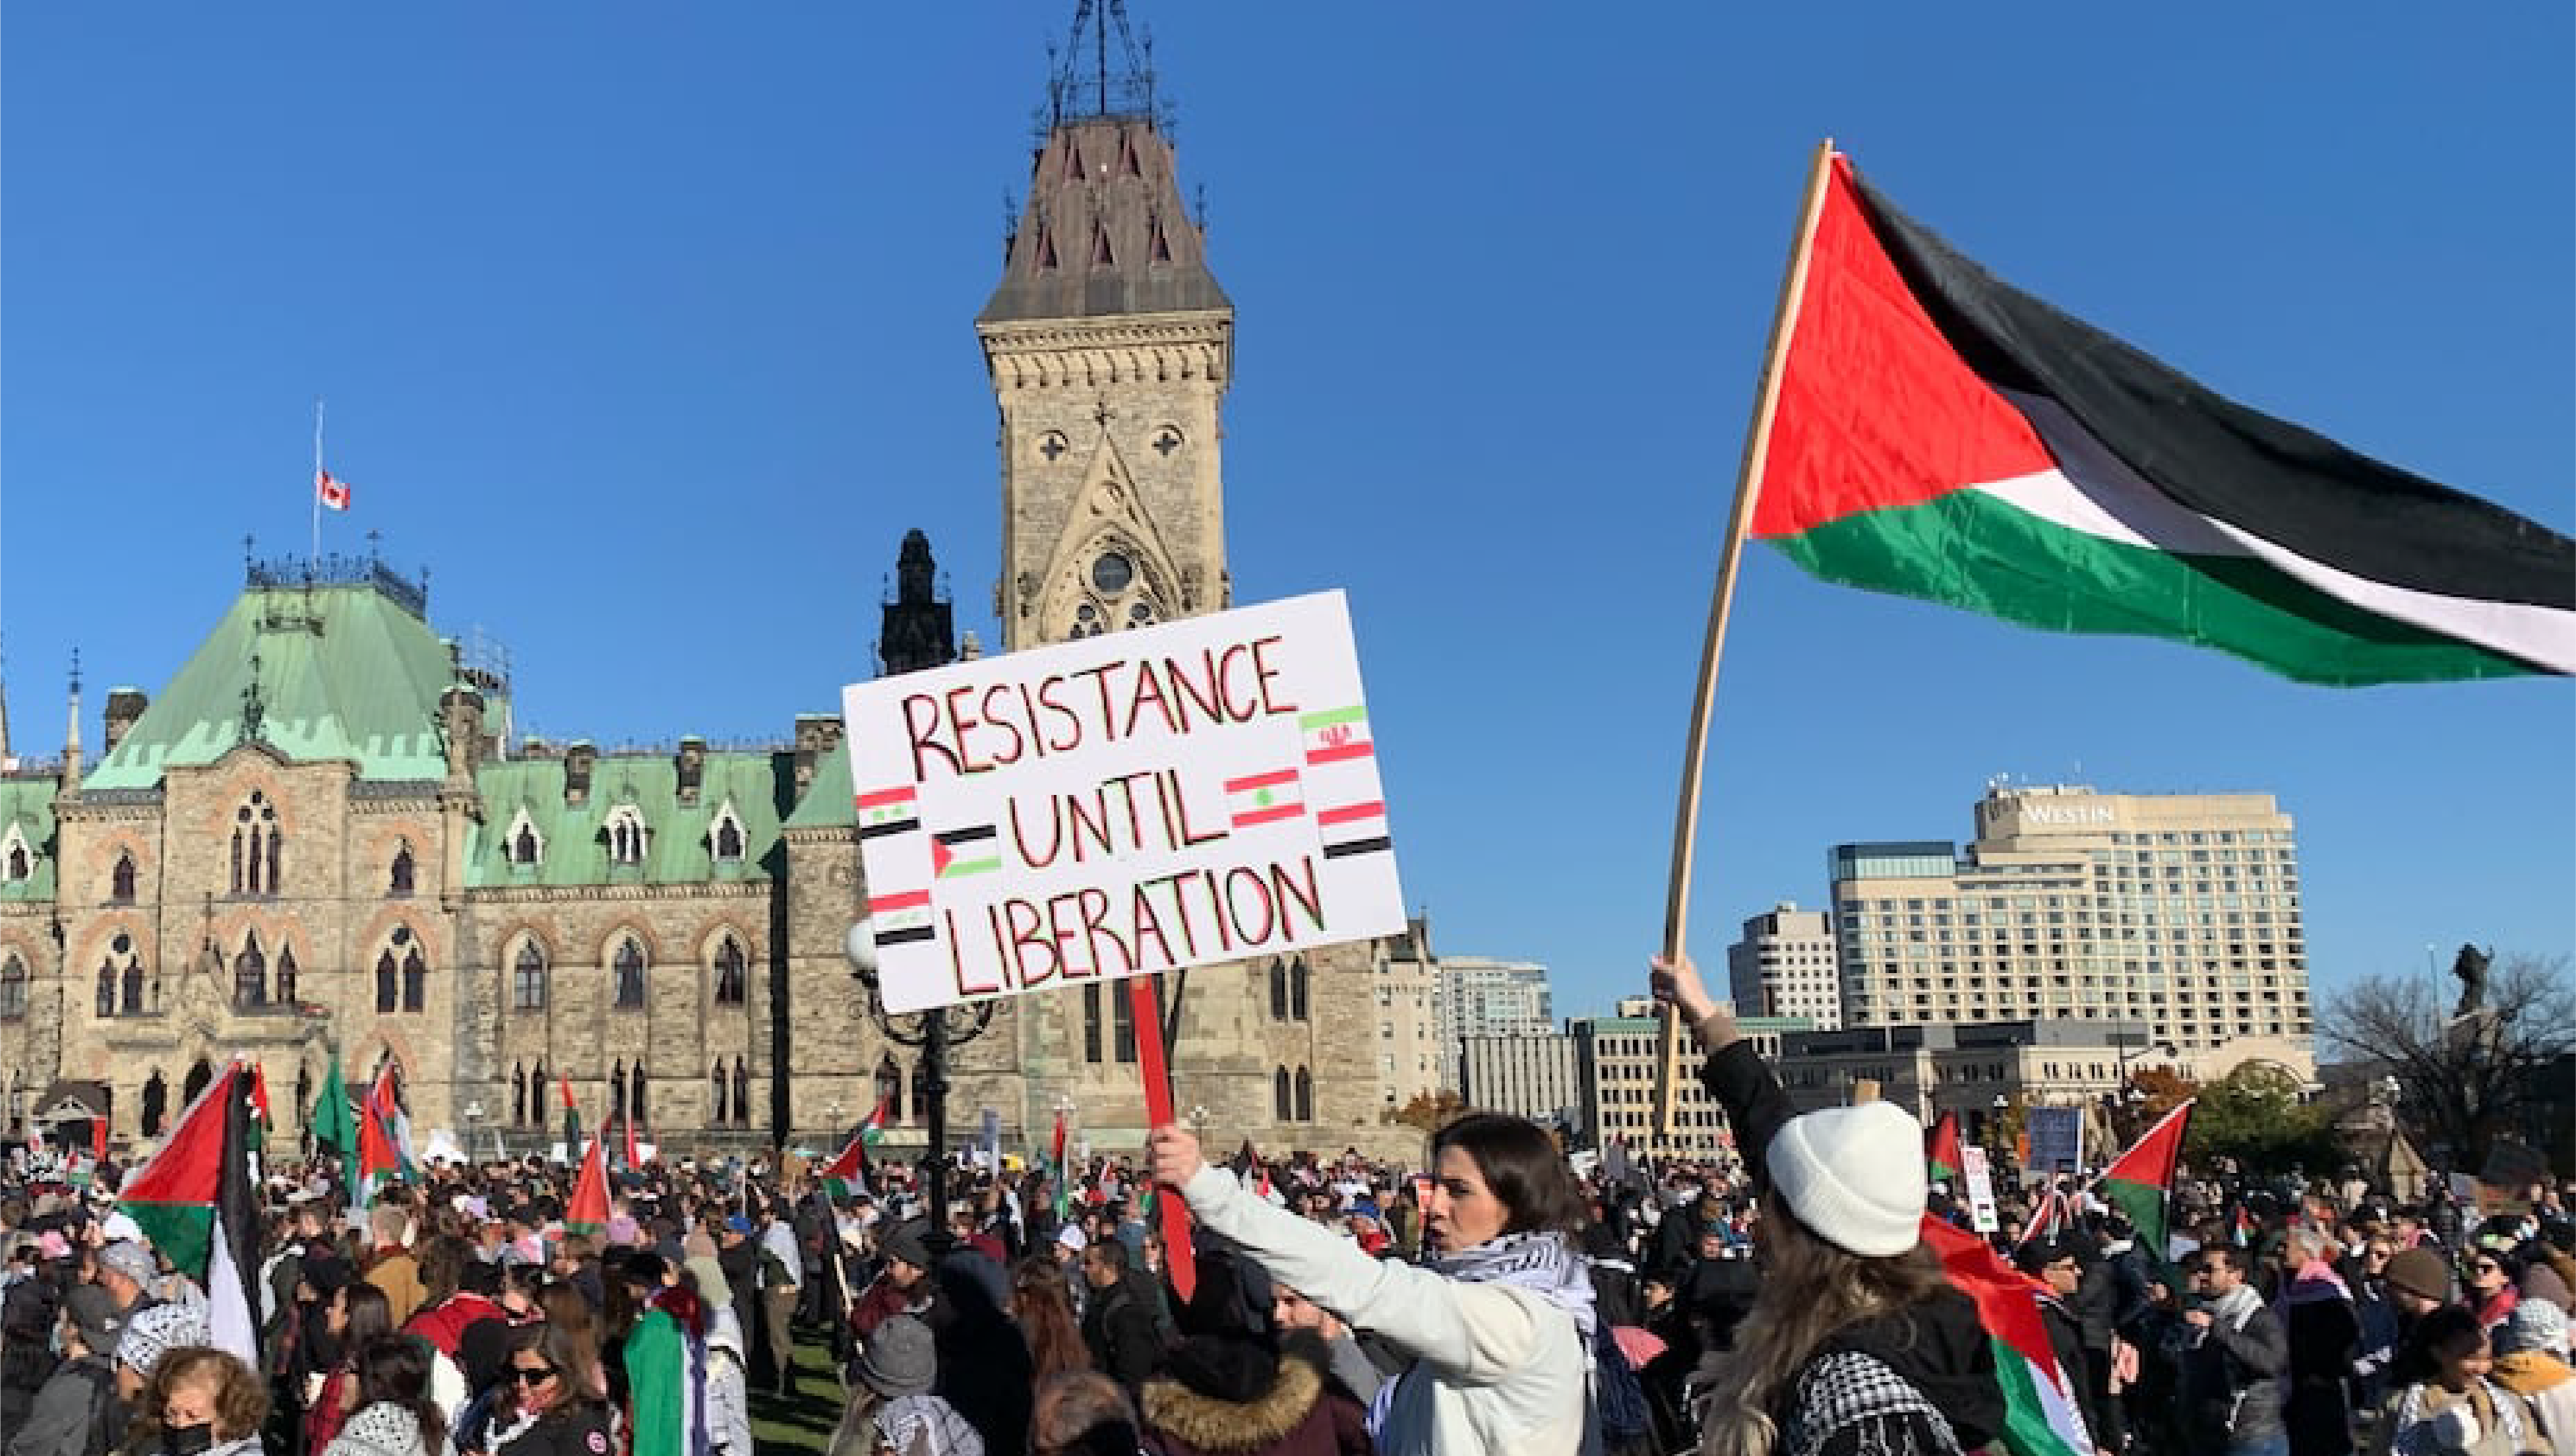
pixel 2471 968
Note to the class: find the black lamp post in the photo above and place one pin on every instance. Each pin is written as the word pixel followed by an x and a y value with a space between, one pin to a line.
pixel 932 1033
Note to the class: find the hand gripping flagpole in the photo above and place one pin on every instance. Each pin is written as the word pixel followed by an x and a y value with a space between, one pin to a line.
pixel 1748 483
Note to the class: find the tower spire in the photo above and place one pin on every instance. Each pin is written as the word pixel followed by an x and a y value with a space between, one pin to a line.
pixel 71 734
pixel 1114 82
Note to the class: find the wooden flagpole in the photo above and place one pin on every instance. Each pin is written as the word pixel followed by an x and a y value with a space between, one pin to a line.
pixel 1748 483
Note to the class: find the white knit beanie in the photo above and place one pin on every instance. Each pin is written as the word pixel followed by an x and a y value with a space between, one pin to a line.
pixel 1855 1175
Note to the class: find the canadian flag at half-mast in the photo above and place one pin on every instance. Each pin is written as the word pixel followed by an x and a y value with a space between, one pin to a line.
pixel 333 491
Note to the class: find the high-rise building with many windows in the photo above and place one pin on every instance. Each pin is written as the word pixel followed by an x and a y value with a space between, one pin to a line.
pixel 2180 911
pixel 1785 966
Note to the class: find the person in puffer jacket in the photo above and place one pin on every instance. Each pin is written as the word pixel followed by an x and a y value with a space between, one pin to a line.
pixel 1236 1385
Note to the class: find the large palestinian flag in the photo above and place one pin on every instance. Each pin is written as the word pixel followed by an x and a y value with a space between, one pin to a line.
pixel 2040 1414
pixel 587 1213
pixel 1941 434
pixel 2139 1182
pixel 195 1200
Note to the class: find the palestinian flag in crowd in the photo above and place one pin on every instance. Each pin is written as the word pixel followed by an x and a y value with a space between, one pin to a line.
pixel 334 1126
pixel 572 1119
pixel 2040 1415
pixel 2054 1215
pixel 587 1213
pixel 1941 1150
pixel 261 1119
pixel 848 1173
pixel 1940 434
pixel 2139 1182
pixel 195 1201
pixel 384 1134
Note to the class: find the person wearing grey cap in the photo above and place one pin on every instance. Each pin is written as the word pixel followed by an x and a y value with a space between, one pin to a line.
pixel 78 1411
pixel 893 1407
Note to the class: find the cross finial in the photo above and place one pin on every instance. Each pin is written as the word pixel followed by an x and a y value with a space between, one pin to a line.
pixel 1102 414
pixel 76 678
pixel 375 546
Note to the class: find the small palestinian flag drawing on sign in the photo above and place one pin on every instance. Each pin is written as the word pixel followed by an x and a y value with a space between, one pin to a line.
pixel 901 918
pixel 888 811
pixel 1337 734
pixel 1354 829
pixel 1264 798
pixel 955 853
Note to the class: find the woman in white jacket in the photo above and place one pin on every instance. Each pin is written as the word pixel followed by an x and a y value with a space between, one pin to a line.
pixel 1499 1323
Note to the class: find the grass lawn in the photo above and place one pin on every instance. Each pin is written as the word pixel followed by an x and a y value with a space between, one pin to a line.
pixel 805 1423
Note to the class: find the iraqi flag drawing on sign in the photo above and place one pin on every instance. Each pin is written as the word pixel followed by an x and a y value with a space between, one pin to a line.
pixel 902 918
pixel 1940 434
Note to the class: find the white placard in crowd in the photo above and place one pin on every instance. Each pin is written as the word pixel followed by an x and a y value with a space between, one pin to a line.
pixel 1980 1178
pixel 1197 792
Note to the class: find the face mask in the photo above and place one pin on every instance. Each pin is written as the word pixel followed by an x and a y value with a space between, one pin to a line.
pixel 188 1440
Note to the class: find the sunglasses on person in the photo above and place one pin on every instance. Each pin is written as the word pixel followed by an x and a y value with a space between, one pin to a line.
pixel 533 1374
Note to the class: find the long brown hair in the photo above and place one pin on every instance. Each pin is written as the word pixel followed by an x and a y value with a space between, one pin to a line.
pixel 1810 1289
pixel 1043 1305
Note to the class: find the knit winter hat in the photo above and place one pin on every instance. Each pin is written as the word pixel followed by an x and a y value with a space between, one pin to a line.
pixel 1854 1175
pixel 900 1359
pixel 2535 1324
pixel 2419 1272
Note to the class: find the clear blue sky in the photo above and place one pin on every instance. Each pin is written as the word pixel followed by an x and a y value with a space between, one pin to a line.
pixel 647 327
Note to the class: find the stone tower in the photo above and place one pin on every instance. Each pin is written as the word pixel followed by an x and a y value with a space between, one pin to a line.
pixel 1110 347
pixel 917 630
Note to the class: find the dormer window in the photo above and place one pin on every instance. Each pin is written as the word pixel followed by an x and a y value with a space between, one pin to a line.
pixel 525 846
pixel 17 861
pixel 120 881
pixel 725 838
pixel 625 835
pixel 399 880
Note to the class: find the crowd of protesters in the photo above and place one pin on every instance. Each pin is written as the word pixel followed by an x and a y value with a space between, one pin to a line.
pixel 1489 1301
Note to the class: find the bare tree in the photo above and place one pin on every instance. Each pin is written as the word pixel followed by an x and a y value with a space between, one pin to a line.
pixel 2462 1078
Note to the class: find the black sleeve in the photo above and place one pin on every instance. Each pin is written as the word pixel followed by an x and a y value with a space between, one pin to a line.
pixel 1755 1106
pixel 1879 1434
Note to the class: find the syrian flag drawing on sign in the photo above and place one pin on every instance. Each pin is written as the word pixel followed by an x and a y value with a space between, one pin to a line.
pixel 331 491
pixel 2139 1182
pixel 903 917
pixel 1942 1151
pixel 195 1201
pixel 2040 1415
pixel 1940 434
pixel 888 811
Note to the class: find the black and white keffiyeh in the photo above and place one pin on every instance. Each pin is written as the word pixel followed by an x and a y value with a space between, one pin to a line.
pixel 1545 1264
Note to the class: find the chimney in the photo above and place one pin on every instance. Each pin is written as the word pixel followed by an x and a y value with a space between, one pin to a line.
pixel 124 706
pixel 692 761
pixel 578 757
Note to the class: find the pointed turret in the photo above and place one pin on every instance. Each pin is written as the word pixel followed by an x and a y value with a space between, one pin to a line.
pixel 1104 232
pixel 917 631
pixel 71 736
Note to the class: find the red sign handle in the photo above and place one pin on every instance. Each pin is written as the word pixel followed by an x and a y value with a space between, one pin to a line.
pixel 1145 1008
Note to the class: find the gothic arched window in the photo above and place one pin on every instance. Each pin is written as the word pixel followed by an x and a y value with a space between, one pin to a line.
pixel 388 982
pixel 528 979
pixel 524 847
pixel 257 847
pixel 399 881
pixel 1278 989
pixel 1282 1107
pixel 637 1113
pixel 131 985
pixel 1305 1095
pixel 732 972
pixel 106 989
pixel 625 836
pixel 250 974
pixel 537 1086
pixel 617 1091
pixel 13 989
pixel 518 1094
pixel 890 1088
pixel 198 1076
pixel 628 965
pixel 286 976
pixel 156 1103
pixel 20 866
pixel 728 839
pixel 716 1088
pixel 741 1093
pixel 120 880
pixel 415 979
pixel 1297 989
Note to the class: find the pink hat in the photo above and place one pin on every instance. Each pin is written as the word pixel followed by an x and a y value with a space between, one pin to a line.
pixel 52 1245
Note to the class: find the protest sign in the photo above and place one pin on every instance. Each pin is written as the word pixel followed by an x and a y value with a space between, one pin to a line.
pixel 1197 792
pixel 2056 1139
pixel 1980 1178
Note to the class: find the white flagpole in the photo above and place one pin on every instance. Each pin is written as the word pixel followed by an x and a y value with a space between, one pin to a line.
pixel 317 479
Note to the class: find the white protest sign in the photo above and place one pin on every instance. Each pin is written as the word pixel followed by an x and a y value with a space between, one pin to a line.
pixel 1197 792
pixel 1980 1178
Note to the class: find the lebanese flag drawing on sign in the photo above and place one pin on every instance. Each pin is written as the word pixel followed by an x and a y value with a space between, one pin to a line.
pixel 333 492
pixel 1263 797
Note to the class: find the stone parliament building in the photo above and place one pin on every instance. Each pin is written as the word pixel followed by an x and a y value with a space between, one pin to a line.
pixel 321 834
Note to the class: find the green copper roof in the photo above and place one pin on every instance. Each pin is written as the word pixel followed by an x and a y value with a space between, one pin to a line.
pixel 27 805
pixel 679 838
pixel 344 672
pixel 827 802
